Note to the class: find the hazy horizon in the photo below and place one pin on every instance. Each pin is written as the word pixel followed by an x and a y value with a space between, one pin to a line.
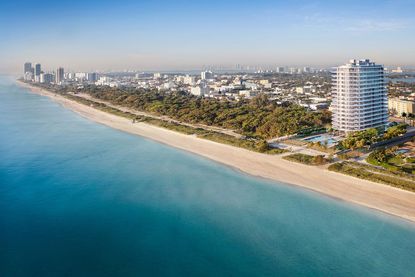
pixel 188 35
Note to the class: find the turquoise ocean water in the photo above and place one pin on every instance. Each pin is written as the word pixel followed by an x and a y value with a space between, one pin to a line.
pixel 81 199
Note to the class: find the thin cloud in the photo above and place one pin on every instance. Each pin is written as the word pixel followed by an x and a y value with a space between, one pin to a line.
pixel 377 26
pixel 318 20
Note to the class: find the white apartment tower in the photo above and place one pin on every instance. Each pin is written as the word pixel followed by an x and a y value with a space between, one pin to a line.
pixel 359 96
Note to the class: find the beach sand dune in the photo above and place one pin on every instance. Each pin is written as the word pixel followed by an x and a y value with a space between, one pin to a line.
pixel 369 194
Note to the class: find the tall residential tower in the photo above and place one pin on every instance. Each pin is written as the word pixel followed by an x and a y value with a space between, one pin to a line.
pixel 59 75
pixel 28 71
pixel 28 68
pixel 359 96
pixel 38 69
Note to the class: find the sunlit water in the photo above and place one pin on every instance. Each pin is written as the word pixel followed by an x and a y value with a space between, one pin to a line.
pixel 81 199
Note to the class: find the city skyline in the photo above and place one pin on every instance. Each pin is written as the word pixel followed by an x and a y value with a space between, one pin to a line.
pixel 187 35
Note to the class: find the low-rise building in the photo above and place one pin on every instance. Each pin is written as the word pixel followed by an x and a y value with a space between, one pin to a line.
pixel 168 85
pixel 397 70
pixel 189 80
pixel 200 90
pixel 305 89
pixel 103 81
pixel 398 106
pixel 247 93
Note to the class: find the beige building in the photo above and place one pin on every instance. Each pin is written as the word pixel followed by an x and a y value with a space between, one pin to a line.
pixel 304 90
pixel 398 106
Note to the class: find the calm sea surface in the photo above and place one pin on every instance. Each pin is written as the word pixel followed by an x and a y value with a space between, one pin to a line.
pixel 82 199
pixel 405 80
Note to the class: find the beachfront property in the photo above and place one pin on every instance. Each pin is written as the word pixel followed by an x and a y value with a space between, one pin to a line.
pixel 401 107
pixel 359 96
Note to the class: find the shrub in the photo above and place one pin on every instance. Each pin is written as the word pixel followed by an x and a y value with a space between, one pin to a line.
pixel 343 156
pixel 360 139
pixel 395 131
pixel 306 159
pixel 262 146
pixel 410 160
pixel 319 160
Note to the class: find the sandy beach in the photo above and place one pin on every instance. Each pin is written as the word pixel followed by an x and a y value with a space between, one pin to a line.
pixel 369 194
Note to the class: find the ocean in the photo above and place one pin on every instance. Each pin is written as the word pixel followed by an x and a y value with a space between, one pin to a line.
pixel 81 199
pixel 404 80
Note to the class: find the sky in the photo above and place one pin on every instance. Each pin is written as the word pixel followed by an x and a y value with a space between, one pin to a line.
pixel 185 35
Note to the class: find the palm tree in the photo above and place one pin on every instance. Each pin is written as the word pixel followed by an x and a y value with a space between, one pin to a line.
pixel 404 116
pixel 411 119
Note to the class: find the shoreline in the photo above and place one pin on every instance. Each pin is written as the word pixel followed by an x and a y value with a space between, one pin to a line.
pixel 372 195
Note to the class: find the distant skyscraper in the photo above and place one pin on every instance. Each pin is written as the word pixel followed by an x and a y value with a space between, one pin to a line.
pixel 280 69
pixel 42 78
pixel 28 71
pixel 38 69
pixel 60 75
pixel 294 70
pixel 92 77
pixel 46 78
pixel 27 67
pixel 205 75
pixel 37 72
pixel 70 75
pixel 359 96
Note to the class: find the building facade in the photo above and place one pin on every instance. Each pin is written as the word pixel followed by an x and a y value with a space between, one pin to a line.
pixel 38 69
pixel 28 68
pixel 206 75
pixel 359 96
pixel 398 107
pixel 92 77
pixel 47 78
pixel 200 90
pixel 28 71
pixel 60 73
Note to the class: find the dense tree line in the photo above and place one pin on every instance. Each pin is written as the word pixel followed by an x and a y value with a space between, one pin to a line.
pixel 258 117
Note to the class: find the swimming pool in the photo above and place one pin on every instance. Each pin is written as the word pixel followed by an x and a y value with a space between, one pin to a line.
pixel 323 139
pixel 402 151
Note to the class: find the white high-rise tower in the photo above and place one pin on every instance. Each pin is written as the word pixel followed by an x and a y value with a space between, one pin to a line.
pixel 359 96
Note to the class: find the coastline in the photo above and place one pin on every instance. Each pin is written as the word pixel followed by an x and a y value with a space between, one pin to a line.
pixel 384 198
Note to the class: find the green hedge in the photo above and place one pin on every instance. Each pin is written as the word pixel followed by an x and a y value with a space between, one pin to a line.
pixel 374 174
